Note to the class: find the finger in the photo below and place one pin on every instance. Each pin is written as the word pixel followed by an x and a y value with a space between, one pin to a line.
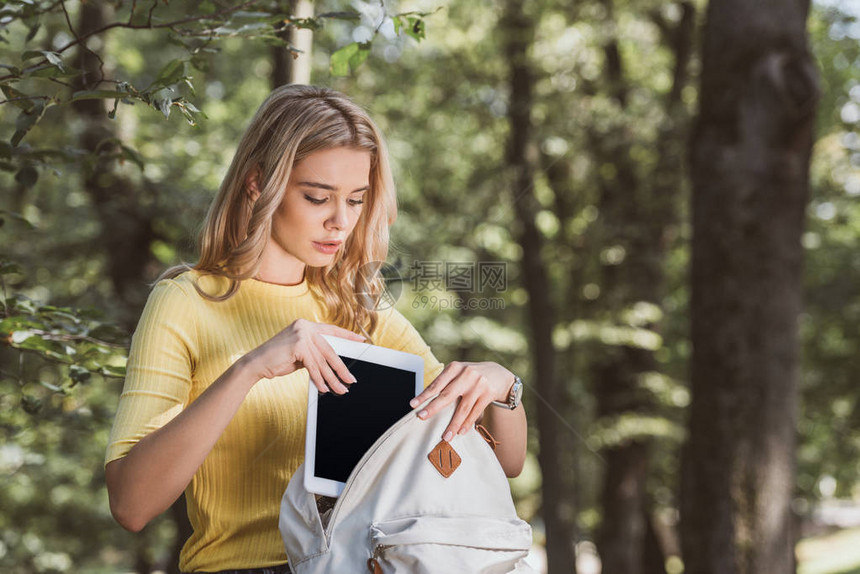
pixel 474 415
pixel 440 382
pixel 464 408
pixel 316 378
pixel 330 378
pixel 455 389
pixel 340 332
pixel 333 360
pixel 445 397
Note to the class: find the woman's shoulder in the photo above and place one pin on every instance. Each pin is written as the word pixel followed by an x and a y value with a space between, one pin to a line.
pixel 191 283
pixel 391 324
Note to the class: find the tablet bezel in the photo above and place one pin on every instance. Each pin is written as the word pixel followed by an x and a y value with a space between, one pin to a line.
pixel 362 352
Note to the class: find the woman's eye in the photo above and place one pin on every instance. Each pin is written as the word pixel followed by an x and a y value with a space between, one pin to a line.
pixel 314 200
pixel 356 201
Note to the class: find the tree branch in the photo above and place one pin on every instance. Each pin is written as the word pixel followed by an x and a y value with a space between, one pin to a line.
pixel 148 26
pixel 151 10
pixel 22 98
pixel 84 44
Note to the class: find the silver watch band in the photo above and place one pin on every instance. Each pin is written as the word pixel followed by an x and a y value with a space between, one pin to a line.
pixel 514 395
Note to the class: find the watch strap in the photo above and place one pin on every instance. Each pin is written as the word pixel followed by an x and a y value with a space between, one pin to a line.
pixel 514 395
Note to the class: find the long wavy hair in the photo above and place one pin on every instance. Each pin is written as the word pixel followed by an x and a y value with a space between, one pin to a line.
pixel 292 123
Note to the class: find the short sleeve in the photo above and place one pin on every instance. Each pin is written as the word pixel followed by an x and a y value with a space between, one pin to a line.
pixel 396 332
pixel 159 370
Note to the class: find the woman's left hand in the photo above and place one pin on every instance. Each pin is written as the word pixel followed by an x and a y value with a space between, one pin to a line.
pixel 475 384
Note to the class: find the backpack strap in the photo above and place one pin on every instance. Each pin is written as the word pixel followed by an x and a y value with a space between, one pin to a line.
pixel 485 434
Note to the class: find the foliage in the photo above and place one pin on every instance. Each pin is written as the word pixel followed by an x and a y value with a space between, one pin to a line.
pixel 443 109
pixel 829 420
pixel 42 79
pixel 61 362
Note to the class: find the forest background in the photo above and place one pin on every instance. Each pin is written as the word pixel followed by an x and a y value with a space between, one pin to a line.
pixel 548 140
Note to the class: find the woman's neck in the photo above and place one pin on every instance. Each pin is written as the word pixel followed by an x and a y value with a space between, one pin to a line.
pixel 281 272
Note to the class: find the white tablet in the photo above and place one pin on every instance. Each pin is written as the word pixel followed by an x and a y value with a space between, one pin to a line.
pixel 341 428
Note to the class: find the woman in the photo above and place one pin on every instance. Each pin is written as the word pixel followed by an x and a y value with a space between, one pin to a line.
pixel 215 396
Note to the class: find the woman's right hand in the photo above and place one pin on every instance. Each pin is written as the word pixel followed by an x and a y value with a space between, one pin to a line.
pixel 301 345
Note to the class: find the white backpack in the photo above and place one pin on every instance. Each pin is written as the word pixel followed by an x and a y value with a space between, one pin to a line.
pixel 400 513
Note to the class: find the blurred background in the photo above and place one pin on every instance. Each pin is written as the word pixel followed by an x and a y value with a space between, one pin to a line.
pixel 541 151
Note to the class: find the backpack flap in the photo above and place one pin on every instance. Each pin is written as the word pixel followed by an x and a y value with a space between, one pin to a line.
pixel 412 507
pixel 299 521
pixel 397 478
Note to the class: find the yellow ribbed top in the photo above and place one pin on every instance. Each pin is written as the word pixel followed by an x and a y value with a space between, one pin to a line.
pixel 182 344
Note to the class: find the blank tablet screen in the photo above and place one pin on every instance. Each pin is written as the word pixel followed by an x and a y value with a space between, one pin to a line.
pixel 349 424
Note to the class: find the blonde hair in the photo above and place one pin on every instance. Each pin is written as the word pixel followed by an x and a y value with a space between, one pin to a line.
pixel 292 123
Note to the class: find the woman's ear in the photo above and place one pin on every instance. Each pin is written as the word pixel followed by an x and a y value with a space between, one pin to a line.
pixel 252 184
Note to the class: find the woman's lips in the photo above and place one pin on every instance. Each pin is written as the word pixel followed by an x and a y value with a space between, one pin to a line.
pixel 328 247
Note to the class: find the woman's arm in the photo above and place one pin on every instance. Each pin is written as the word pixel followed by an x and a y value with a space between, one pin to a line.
pixel 476 385
pixel 146 481
pixel 157 469
pixel 510 428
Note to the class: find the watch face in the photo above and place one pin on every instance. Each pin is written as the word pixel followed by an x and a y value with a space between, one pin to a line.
pixel 517 393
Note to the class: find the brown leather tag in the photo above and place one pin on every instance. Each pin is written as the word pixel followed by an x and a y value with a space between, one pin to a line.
pixel 444 458
pixel 485 434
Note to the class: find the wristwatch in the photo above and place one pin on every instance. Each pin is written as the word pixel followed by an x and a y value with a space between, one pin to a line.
pixel 515 395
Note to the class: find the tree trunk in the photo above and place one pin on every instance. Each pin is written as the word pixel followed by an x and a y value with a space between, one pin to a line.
pixel 126 226
pixel 636 214
pixel 518 35
pixel 126 230
pixel 287 68
pixel 750 168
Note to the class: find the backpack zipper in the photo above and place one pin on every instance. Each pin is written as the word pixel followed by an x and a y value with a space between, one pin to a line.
pixel 413 414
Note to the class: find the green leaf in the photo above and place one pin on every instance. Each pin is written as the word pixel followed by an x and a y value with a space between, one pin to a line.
pixel 14 70
pixel 26 120
pixel 136 158
pixel 341 15
pixel 162 100
pixel 7 267
pixel 340 59
pixel 252 16
pixel 416 28
pixel 52 387
pixel 349 58
pixel 79 374
pixel 53 57
pixel 112 371
pixel 19 337
pixel 27 176
pixel 18 98
pixel 359 57
pixel 97 95
pixel 171 73
pixel 30 54
pixel 18 217
pixel 31 405
pixel 34 29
